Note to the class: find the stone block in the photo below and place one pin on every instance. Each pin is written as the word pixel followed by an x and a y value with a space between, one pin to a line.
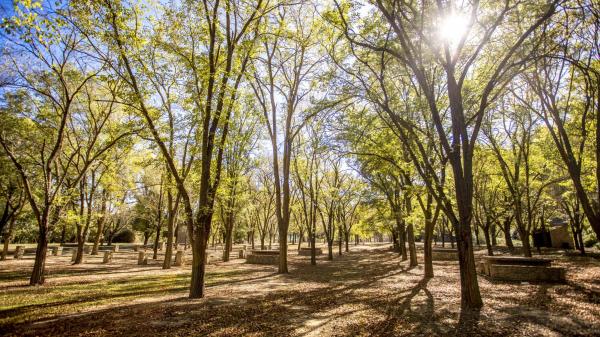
pixel 180 258
pixel 142 258
pixel 444 254
pixel 56 251
pixel 526 273
pixel 307 251
pixel 19 251
pixel 263 257
pixel 108 255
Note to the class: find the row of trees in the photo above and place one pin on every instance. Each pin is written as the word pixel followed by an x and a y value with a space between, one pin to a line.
pixel 372 113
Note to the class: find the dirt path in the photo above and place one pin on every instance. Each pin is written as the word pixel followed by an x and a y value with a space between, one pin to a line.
pixel 366 292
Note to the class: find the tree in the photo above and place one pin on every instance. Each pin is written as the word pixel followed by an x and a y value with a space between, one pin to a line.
pixel 222 36
pixel 457 131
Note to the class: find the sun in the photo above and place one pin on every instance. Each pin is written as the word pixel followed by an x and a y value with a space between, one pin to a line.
pixel 452 28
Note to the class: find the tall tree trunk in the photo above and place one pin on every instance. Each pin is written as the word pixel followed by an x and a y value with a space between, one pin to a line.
pixel 507 236
pixel 411 245
pixel 156 240
pixel 401 235
pixel 488 243
pixel 340 236
pixel 347 238
pixel 170 229
pixel 100 223
pixel 427 249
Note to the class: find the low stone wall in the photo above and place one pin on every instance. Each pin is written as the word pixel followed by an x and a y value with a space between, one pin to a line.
pixel 525 273
pixel 306 251
pixel 255 257
pixel 444 254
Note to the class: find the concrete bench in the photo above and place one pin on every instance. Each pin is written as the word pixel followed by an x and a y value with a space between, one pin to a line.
pixel 514 268
pixel 444 254
pixel 263 257
pixel 307 251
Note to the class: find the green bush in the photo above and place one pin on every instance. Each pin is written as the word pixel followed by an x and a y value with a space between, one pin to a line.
pixel 590 241
pixel 125 236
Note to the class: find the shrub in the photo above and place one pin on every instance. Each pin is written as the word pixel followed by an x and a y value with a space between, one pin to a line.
pixel 125 236
pixel 590 241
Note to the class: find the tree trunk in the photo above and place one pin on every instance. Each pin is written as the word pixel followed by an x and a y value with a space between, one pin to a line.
pixel 347 238
pixel 283 250
pixel 170 235
pixel 401 236
pixel 525 242
pixel 488 243
pixel 156 241
pixel 199 246
pixel 427 250
pixel 228 238
pixel 411 245
pixel 507 236
pixel 340 236
pixel 470 295
pixel 39 266
pixel 313 249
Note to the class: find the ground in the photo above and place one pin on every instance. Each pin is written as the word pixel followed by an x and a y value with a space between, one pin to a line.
pixel 367 292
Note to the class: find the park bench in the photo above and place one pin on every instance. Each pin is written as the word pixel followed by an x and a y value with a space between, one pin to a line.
pixel 516 268
pixel 306 251
pixel 444 254
pixel 263 257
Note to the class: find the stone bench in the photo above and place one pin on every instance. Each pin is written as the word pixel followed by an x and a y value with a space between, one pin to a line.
pixel 263 257
pixel 514 268
pixel 444 254
pixel 307 251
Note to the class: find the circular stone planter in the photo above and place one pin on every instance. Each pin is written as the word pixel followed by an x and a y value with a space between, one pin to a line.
pixel 306 251
pixel 263 257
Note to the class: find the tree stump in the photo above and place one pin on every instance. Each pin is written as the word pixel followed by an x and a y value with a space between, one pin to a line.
pixel 19 250
pixel 108 255
pixel 179 258
pixel 241 254
pixel 142 258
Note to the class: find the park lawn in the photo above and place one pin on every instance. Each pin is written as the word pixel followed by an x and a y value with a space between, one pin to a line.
pixel 25 303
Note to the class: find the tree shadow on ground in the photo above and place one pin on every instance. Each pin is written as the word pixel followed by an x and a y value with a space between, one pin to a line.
pixel 358 294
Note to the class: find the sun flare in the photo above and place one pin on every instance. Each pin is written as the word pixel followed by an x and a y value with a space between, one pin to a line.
pixel 452 28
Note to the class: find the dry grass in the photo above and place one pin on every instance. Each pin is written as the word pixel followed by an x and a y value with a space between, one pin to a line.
pixel 366 292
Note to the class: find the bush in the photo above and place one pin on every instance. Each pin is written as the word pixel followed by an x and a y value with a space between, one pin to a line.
pixel 125 236
pixel 590 242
